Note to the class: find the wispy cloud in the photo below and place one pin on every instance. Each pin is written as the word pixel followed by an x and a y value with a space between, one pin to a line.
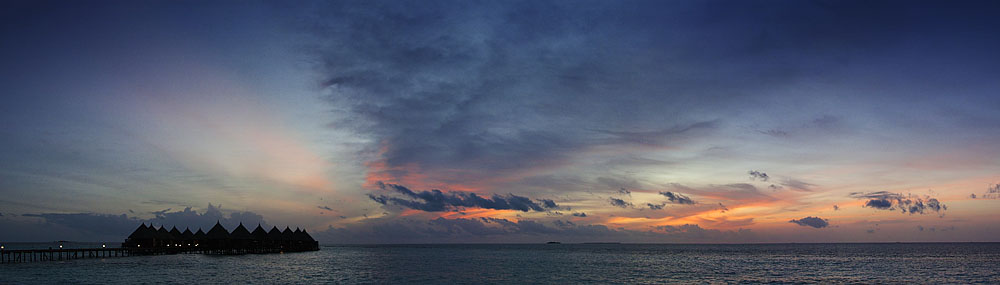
pixel 437 201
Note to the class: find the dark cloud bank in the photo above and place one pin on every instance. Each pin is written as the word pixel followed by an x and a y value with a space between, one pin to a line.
pixel 488 88
pixel 883 200
pixel 107 227
pixel 438 201
pixel 815 222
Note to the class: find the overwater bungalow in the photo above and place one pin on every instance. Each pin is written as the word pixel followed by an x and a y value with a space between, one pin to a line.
pixel 175 237
pixel 187 237
pixel 217 237
pixel 259 237
pixel 142 237
pixel 218 240
pixel 273 237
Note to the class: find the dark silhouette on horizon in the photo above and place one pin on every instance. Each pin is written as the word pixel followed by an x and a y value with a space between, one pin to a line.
pixel 218 240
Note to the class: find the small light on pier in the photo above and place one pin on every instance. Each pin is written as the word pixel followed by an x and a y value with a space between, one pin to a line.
pixel 1 246
pixel 138 245
pixel 60 246
pixel 104 246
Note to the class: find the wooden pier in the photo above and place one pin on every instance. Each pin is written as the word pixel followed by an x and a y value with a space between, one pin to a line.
pixel 33 255
pixel 151 241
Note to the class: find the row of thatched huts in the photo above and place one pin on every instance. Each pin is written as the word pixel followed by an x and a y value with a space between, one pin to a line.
pixel 219 240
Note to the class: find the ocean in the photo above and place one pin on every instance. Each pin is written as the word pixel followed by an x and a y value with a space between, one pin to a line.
pixel 920 263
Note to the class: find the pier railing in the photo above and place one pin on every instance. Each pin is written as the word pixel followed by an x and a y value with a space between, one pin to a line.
pixel 33 255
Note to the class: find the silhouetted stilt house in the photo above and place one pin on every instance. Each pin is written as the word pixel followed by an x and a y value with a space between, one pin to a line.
pixel 142 237
pixel 187 238
pixel 162 237
pixel 199 238
pixel 217 237
pixel 274 237
pixel 218 240
pixel 259 237
pixel 240 239
pixel 175 237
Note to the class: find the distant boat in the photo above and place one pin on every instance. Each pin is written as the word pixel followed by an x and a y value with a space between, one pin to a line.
pixel 553 242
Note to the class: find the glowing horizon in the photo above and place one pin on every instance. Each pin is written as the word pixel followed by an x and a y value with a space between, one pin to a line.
pixel 637 121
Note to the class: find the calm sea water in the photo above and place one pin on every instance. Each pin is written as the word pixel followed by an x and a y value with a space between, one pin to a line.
pixel 561 264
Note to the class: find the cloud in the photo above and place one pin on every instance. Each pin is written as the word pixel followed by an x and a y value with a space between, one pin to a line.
pixel 437 201
pixel 797 184
pixel 814 222
pixel 655 206
pixel 580 214
pixel 624 191
pixel 774 132
pixel 325 208
pixel 677 198
pixel 883 200
pixel 484 229
pixel 758 175
pixel 160 212
pixel 655 138
pixel 836 208
pixel 881 204
pixel 992 192
pixel 546 203
pixel 619 202
pixel 107 227
pixel 450 92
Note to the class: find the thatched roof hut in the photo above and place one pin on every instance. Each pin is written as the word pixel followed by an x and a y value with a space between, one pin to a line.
pixel 199 235
pixel 259 233
pixel 162 233
pixel 142 233
pixel 307 236
pixel 218 240
pixel 274 234
pixel 187 234
pixel 240 233
pixel 175 234
pixel 218 232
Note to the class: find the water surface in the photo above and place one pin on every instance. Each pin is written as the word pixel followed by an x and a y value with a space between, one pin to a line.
pixel 540 263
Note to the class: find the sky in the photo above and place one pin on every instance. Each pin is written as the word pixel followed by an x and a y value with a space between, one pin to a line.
pixel 503 121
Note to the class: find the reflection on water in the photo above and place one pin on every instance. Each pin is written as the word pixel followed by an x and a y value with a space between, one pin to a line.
pixel 565 263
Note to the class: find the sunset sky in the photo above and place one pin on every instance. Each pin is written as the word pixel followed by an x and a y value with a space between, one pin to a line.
pixel 503 121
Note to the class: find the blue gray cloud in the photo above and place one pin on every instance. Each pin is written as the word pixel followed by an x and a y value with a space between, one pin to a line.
pixel 619 202
pixel 814 222
pixel 758 175
pixel 677 198
pixel 108 227
pixel 884 200
pixel 490 87
pixel 437 201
